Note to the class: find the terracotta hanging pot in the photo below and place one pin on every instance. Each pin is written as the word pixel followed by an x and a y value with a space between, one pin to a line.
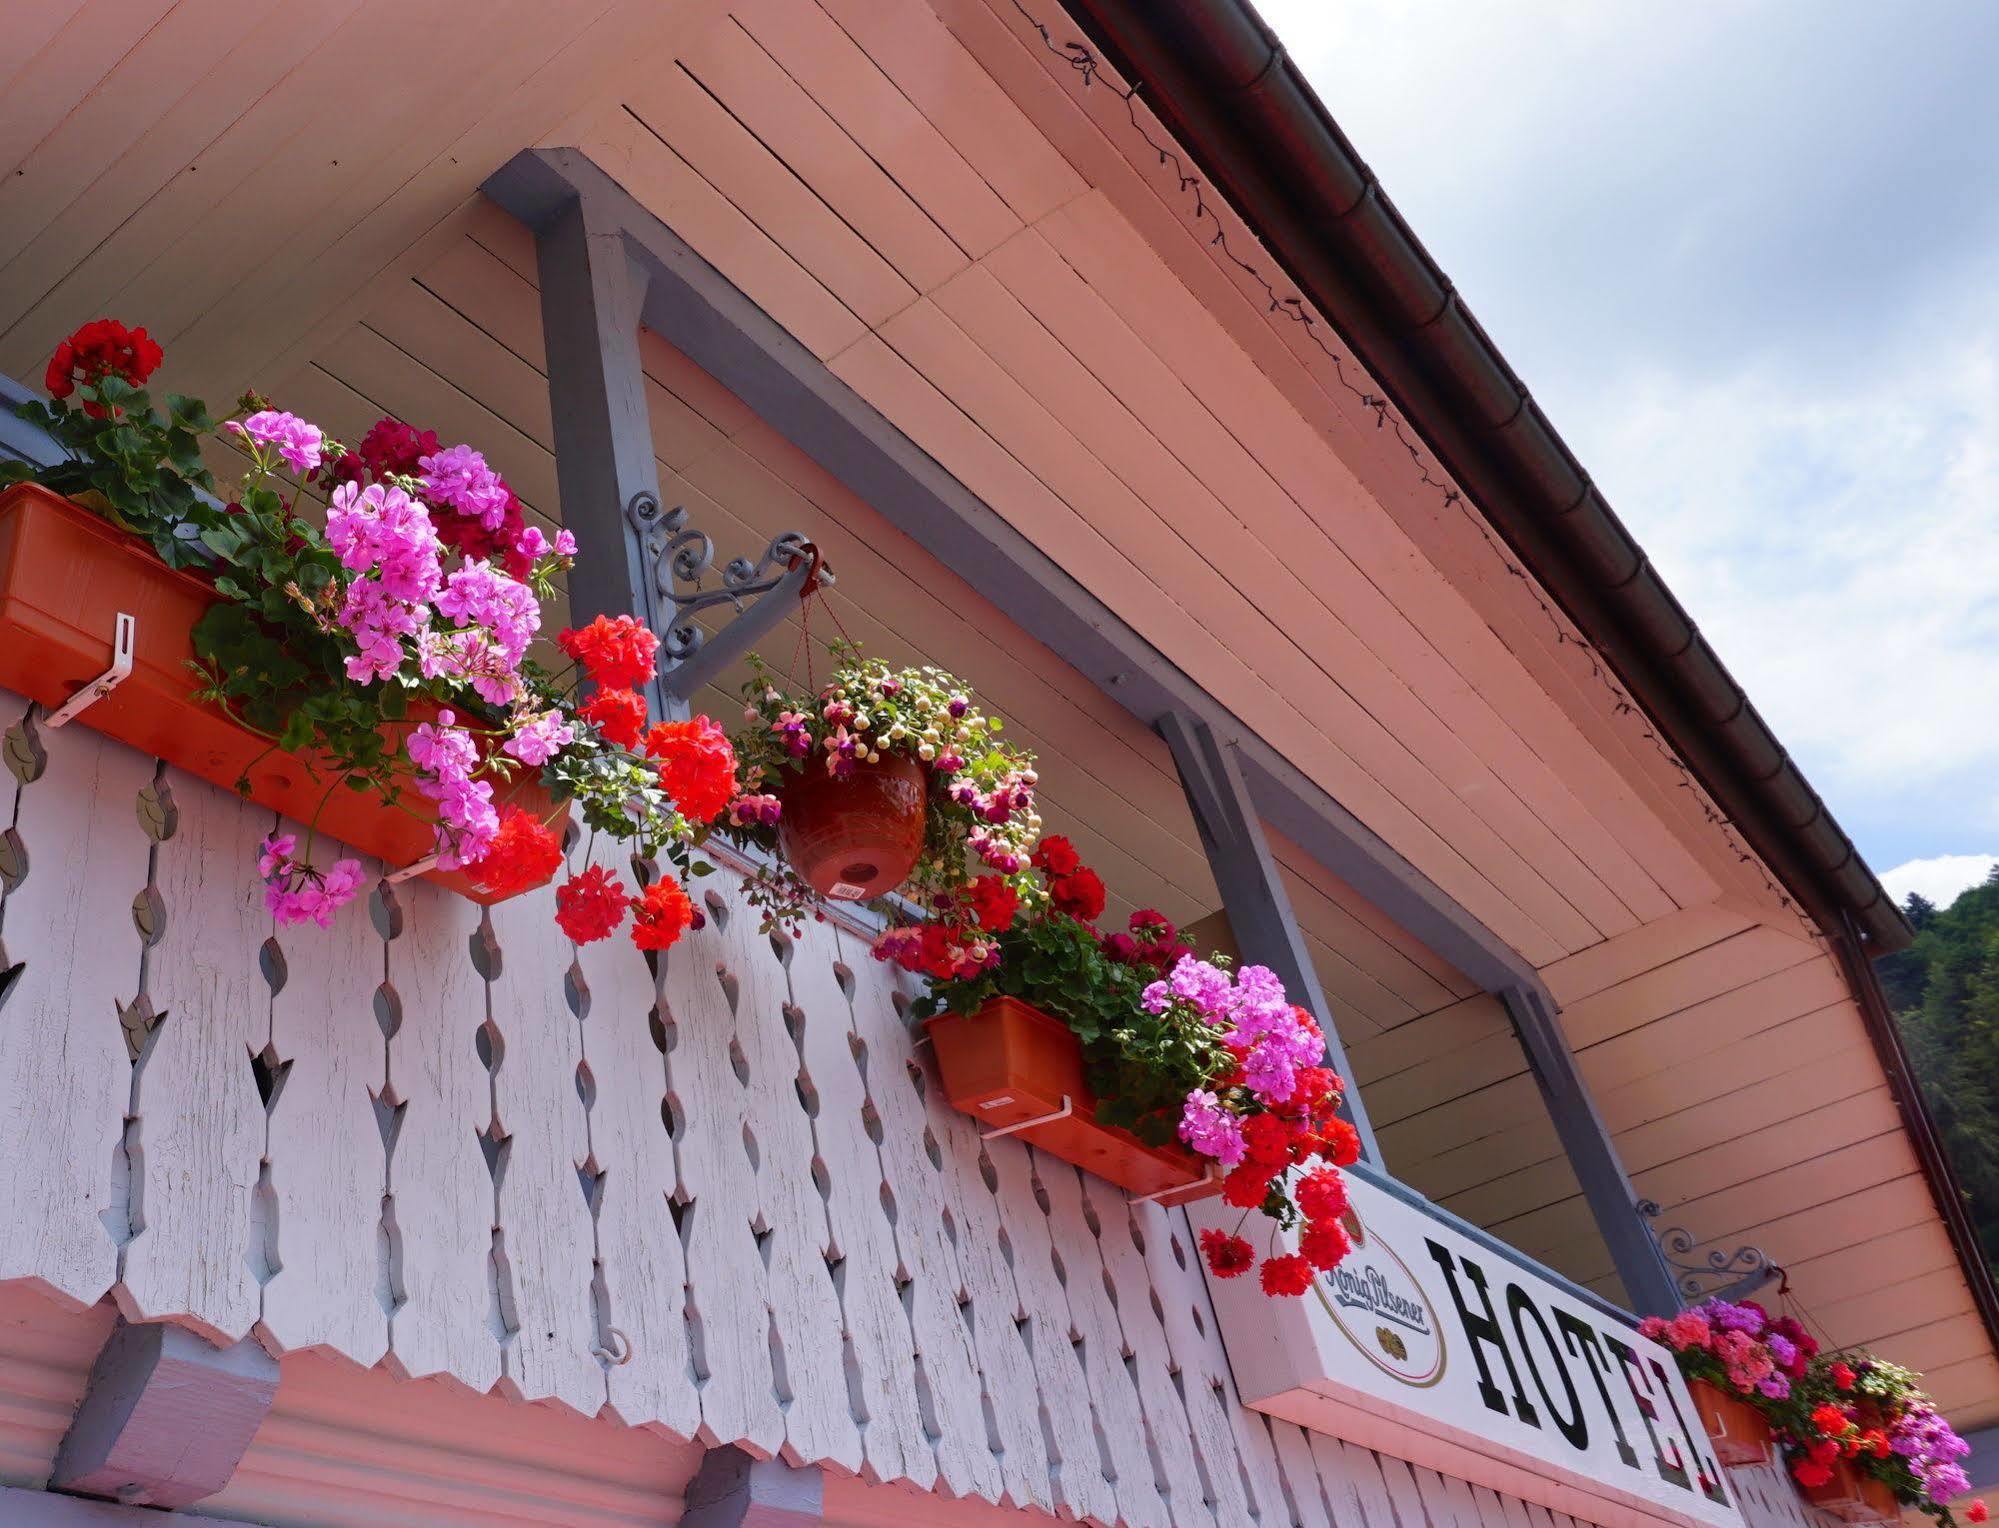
pixel 66 575
pixel 1737 1429
pixel 1854 1497
pixel 855 836
pixel 1020 1072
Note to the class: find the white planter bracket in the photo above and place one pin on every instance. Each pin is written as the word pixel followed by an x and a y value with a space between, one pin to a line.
pixel 1068 1108
pixel 123 638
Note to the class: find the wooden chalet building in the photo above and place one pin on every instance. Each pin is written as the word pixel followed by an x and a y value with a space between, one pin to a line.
pixel 1103 374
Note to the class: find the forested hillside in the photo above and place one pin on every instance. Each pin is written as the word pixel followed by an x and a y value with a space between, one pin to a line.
pixel 1945 989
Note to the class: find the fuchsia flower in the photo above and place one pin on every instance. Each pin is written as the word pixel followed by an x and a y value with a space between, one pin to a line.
pixel 1211 1129
pixel 297 442
pixel 295 892
pixel 539 737
pixel 458 478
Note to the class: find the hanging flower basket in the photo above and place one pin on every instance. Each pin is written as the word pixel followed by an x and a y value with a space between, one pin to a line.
pixel 66 574
pixel 1854 1497
pixel 1737 1429
pixel 1009 1063
pixel 855 836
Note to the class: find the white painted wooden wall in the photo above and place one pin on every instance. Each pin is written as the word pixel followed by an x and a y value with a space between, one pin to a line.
pixel 459 1146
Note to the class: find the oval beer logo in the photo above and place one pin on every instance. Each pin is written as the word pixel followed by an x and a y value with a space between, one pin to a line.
pixel 1379 1307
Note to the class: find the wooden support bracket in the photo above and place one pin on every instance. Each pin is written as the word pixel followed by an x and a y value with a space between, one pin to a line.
pixel 733 1490
pixel 166 1417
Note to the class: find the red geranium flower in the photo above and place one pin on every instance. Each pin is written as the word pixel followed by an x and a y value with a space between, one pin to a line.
pixel 1055 856
pixel 1810 1472
pixel 1286 1275
pixel 1829 1419
pixel 1324 1243
pixel 1342 1147
pixel 697 767
pixel 1246 1186
pixel 619 714
pixel 590 906
pixel 1317 1085
pixel 1977 1512
pixel 523 855
pixel 614 653
pixel 1269 1141
pixel 102 348
pixel 389 449
pixel 1080 894
pixel 993 903
pixel 1227 1256
pixel 1322 1194
pixel 1841 1376
pixel 661 915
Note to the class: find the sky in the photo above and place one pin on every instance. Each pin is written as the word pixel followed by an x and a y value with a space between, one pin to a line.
pixel 1746 254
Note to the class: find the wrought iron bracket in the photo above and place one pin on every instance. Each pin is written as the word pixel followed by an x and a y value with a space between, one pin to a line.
pixel 679 557
pixel 1719 1275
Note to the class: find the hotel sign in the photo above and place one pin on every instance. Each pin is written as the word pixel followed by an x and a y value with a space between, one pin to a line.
pixel 1431 1346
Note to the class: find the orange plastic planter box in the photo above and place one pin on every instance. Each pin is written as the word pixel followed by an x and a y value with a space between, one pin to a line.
pixel 65 576
pixel 1010 1063
pixel 1853 1497
pixel 1737 1429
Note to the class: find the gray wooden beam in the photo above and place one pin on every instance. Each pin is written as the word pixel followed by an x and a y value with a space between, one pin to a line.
pixel 1627 1235
pixel 1253 896
pixel 1983 1464
pixel 592 292
pixel 733 1490
pixel 166 1417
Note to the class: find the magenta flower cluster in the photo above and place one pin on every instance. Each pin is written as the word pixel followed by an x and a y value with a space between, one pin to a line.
pixel 296 443
pixel 459 477
pixel 1258 1022
pixel 446 757
pixel 295 892
pixel 1934 1452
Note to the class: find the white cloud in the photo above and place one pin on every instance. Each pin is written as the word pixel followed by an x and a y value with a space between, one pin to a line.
pixel 1793 402
pixel 1939 880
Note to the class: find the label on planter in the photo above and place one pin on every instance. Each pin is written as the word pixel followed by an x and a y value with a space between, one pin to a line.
pixel 845 891
pixel 1432 1346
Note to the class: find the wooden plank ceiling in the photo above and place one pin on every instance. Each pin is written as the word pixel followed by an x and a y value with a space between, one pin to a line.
pixel 991 255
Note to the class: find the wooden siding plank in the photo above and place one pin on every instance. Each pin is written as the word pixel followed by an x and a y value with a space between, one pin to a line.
pixel 129 107
pixel 1148 194
pixel 640 160
pixel 1709 972
pixel 544 1238
pixel 1297 489
pixel 200 1132
pixel 1057 335
pixel 699 130
pixel 739 72
pixel 810 46
pixel 322 1031
pixel 971 110
pixel 1655 944
pixel 438 1222
pixel 642 1274
pixel 788 1214
pixel 399 384
pixel 894 384
pixel 878 1345
pixel 65 1075
pixel 67 67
